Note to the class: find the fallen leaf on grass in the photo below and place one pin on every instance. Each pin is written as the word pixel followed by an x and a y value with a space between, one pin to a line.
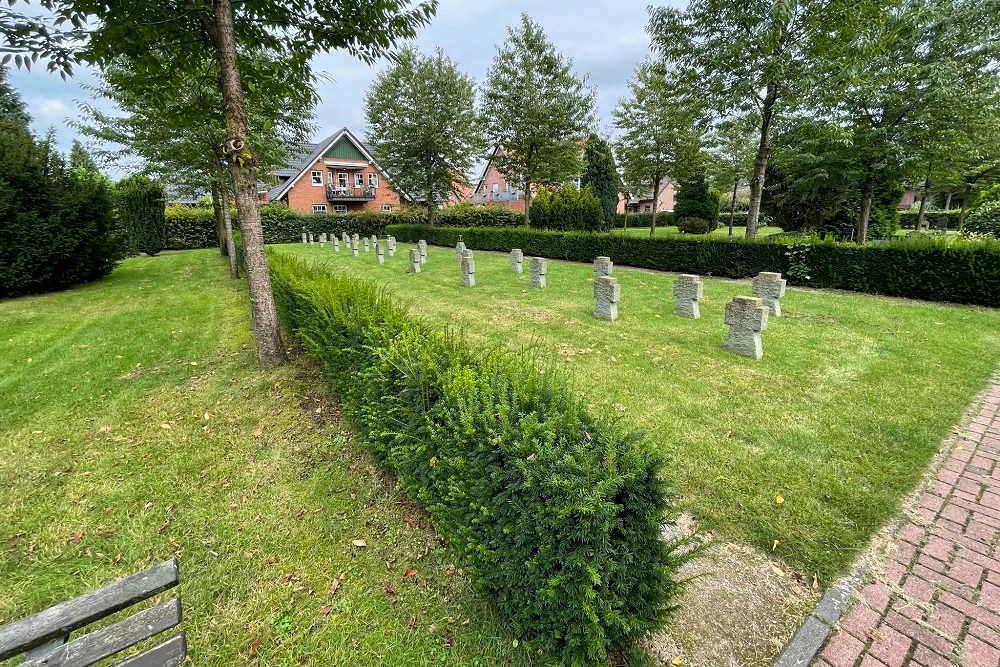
pixel 410 572
pixel 77 536
pixel 326 610
pixel 253 648
pixel 258 433
pixel 779 499
pixel 361 544
pixel 165 426
pixel 677 661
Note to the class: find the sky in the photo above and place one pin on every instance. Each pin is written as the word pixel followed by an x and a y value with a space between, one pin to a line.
pixel 604 40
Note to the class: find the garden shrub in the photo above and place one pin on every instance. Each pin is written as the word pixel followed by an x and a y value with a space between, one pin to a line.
pixel 57 226
pixel 567 208
pixel 139 206
pixel 692 225
pixel 556 511
pixel 984 221
pixel 190 227
pixel 931 268
pixel 696 200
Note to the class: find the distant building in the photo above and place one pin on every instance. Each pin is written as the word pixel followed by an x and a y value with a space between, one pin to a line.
pixel 643 203
pixel 336 175
pixel 493 188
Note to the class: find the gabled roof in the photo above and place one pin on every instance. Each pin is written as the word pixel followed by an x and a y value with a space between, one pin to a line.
pixel 486 169
pixel 304 156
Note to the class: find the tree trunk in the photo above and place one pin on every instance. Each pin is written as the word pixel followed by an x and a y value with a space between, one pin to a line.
pixel 527 203
pixel 220 227
pixel 234 267
pixel 431 209
pixel 270 350
pixel 923 199
pixel 760 161
pixel 656 200
pixel 947 200
pixel 867 195
pixel 625 222
pixel 732 205
pixel 961 211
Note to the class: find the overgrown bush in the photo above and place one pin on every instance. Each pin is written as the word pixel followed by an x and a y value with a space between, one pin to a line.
pixel 139 206
pixel 984 221
pixel 190 227
pixel 556 511
pixel 936 270
pixel 57 227
pixel 567 209
pixel 696 200
pixel 692 225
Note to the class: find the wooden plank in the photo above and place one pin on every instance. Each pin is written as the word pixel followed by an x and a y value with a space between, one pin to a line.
pixel 170 653
pixel 63 618
pixel 100 644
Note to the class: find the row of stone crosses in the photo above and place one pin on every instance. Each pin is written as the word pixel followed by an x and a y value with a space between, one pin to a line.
pixel 746 316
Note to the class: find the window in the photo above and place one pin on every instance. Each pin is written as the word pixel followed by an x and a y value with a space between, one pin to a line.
pixel 359 179
pixel 329 177
pixel 317 177
pixel 387 208
pixel 373 180
pixel 496 188
pixel 340 208
pixel 319 208
pixel 647 208
pixel 342 180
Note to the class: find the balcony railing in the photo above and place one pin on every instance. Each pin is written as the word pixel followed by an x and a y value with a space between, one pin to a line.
pixel 347 193
pixel 496 196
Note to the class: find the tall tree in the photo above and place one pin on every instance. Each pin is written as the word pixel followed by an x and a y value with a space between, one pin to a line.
pixel 601 174
pixel 756 58
pixel 536 110
pixel 422 125
pixel 924 68
pixel 11 104
pixel 660 131
pixel 179 33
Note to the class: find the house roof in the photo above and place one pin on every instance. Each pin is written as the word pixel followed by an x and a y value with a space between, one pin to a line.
pixel 305 155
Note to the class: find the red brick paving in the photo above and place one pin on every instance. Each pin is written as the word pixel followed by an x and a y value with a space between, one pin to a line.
pixel 936 601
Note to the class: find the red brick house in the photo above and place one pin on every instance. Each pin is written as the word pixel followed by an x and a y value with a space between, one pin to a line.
pixel 643 203
pixel 336 175
pixel 493 188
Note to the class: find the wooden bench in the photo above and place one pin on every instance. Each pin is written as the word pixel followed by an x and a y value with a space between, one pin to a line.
pixel 44 638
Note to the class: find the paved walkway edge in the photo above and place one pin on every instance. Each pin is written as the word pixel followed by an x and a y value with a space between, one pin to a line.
pixel 805 645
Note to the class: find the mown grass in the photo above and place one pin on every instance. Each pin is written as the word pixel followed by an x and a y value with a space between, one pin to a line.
pixel 852 399
pixel 134 426
pixel 739 231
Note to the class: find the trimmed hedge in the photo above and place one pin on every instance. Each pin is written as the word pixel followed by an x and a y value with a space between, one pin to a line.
pixel 908 219
pixel 190 227
pixel 984 220
pixel 919 268
pixel 556 511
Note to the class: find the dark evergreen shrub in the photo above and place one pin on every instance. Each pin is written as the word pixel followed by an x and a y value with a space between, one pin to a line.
pixel 932 268
pixel 139 205
pixel 695 200
pixel 57 228
pixel 692 225
pixel 567 208
pixel 556 511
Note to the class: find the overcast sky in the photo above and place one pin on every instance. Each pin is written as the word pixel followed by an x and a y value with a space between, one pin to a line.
pixel 605 41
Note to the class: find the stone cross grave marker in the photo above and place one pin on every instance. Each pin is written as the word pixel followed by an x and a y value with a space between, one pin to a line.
pixel 769 287
pixel 379 253
pixel 602 267
pixel 310 238
pixel 390 244
pixel 304 239
pixel 746 317
pixel 366 244
pixel 539 267
pixel 422 247
pixel 336 244
pixel 322 240
pixel 516 260
pixel 688 290
pixel 354 244
pixel 459 249
pixel 374 240
pixel 345 238
pixel 468 265
pixel 607 293
pixel 415 260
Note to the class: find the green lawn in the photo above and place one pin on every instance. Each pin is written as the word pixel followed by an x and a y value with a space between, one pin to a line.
pixel 671 230
pixel 852 399
pixel 134 426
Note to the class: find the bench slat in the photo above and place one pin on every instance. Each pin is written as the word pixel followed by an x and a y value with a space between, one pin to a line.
pixel 170 653
pixel 65 617
pixel 100 644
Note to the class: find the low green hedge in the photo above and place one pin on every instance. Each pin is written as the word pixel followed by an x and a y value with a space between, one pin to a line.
pixel 556 511
pixel 919 268
pixel 190 227
pixel 908 219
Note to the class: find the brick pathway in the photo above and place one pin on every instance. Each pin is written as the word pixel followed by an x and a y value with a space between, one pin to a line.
pixel 936 601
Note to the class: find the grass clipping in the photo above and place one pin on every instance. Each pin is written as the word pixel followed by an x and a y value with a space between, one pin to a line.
pixel 556 511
